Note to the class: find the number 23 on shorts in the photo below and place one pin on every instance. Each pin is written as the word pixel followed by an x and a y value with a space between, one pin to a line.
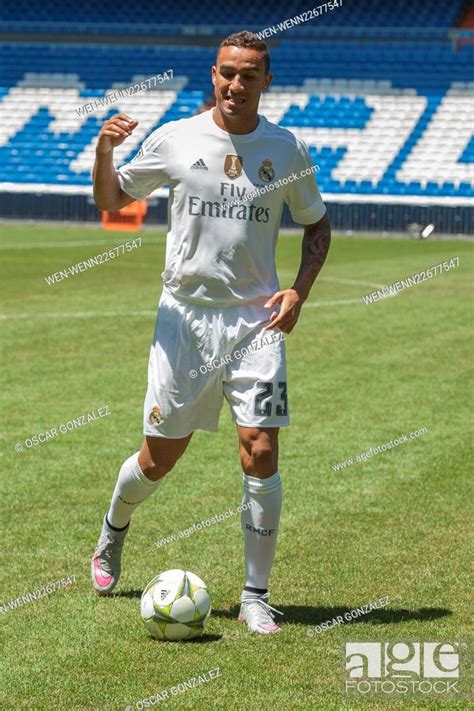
pixel 264 399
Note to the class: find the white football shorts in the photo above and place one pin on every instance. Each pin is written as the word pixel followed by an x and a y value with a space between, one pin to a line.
pixel 201 354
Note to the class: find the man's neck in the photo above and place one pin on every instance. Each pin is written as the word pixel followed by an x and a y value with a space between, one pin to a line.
pixel 241 126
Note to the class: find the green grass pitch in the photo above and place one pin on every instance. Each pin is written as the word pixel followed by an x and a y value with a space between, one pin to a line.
pixel 359 375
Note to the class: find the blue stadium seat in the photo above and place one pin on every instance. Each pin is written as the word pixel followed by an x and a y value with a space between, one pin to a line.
pixel 364 13
pixel 425 66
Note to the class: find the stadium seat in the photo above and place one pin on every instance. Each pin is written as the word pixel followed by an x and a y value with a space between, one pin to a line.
pixel 391 113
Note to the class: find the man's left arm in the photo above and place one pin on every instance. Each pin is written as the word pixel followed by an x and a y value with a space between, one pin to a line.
pixel 315 247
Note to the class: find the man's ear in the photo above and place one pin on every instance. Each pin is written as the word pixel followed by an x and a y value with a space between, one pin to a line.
pixel 267 82
pixel 213 74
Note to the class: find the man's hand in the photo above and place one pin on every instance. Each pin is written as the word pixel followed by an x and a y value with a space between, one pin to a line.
pixel 114 132
pixel 316 241
pixel 290 307
pixel 108 194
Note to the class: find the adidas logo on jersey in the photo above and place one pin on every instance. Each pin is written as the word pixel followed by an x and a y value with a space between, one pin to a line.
pixel 199 165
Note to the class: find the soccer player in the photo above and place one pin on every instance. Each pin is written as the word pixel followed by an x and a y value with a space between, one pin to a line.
pixel 222 315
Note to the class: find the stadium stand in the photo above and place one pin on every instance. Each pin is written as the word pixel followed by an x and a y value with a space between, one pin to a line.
pixel 387 113
pixel 364 13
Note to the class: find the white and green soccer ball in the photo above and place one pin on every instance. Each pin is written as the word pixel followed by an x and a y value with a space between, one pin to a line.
pixel 175 605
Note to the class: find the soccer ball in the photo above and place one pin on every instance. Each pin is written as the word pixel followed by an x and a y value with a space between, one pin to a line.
pixel 175 605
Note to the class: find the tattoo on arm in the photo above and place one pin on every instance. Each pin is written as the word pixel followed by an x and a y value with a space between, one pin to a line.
pixel 315 247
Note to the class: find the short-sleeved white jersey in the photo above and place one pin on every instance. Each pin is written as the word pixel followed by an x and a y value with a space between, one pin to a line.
pixel 220 247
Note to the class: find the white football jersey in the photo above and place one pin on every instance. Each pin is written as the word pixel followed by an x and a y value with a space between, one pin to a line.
pixel 220 247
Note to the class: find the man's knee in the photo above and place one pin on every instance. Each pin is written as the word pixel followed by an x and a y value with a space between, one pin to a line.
pixel 158 456
pixel 259 452
pixel 155 468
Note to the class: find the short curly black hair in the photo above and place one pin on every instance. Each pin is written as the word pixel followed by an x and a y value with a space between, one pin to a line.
pixel 250 40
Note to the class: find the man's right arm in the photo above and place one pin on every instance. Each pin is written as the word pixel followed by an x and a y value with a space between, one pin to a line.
pixel 108 194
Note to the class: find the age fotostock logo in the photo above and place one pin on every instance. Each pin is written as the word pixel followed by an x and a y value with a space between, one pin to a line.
pixel 397 668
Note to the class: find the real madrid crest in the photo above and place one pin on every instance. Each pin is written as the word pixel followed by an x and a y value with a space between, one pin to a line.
pixel 266 172
pixel 233 166
pixel 155 417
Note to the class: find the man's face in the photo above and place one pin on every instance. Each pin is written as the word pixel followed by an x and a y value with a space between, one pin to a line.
pixel 239 79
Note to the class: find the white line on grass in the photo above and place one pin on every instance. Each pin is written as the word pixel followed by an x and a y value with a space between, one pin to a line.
pixel 106 314
pixel 342 302
pixel 58 245
pixel 76 314
pixel 115 314
pixel 339 280
pixel 338 302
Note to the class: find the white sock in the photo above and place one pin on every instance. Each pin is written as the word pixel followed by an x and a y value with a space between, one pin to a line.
pixel 131 489
pixel 260 528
